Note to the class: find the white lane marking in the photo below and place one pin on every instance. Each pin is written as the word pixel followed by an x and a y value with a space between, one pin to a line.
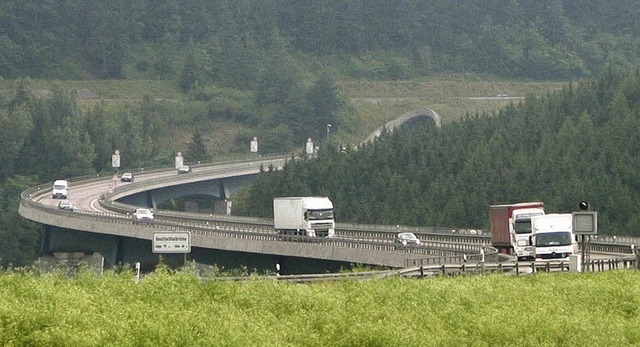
pixel 93 207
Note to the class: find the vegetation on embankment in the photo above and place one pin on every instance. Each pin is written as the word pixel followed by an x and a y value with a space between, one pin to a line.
pixel 169 309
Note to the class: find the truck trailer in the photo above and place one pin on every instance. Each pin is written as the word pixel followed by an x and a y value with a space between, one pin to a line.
pixel 310 216
pixel 553 237
pixel 511 228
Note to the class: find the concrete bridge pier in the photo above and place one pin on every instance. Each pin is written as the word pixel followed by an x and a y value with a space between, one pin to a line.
pixel 64 248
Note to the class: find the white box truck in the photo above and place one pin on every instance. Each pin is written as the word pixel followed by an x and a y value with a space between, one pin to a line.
pixel 304 216
pixel 553 237
pixel 60 189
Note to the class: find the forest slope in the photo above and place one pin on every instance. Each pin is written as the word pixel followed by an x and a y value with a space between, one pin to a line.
pixel 193 42
pixel 577 144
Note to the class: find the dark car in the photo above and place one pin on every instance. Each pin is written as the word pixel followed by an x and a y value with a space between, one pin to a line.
pixel 126 177
pixel 407 240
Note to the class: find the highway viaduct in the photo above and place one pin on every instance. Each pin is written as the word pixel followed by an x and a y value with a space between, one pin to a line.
pixel 102 226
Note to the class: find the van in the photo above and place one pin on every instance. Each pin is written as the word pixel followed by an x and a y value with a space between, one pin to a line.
pixel 60 189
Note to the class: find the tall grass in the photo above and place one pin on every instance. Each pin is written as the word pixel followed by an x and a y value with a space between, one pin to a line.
pixel 178 309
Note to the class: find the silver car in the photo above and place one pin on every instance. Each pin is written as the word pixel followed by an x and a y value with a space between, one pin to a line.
pixel 126 177
pixel 142 215
pixel 66 205
pixel 407 240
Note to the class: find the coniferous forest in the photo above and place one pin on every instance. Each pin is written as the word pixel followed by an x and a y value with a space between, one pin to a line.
pixel 275 65
pixel 579 144
pixel 240 43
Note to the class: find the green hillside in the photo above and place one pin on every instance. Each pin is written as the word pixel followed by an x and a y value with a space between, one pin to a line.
pixel 230 43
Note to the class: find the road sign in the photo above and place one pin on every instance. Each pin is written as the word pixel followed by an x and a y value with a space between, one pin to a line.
pixel 171 242
pixel 115 159
pixel 585 222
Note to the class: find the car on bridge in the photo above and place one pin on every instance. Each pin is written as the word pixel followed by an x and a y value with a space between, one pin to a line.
pixel 126 177
pixel 407 240
pixel 142 215
pixel 66 205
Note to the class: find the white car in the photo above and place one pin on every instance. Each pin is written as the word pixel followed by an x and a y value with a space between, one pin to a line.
pixel 142 215
pixel 66 205
pixel 184 169
pixel 126 177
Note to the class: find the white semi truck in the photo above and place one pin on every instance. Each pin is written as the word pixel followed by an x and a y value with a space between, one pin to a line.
pixel 553 237
pixel 304 216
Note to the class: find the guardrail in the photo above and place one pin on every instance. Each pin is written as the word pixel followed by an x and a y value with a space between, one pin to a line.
pixel 464 269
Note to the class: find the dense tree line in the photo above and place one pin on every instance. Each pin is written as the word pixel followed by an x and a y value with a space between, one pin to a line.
pixel 46 137
pixel 231 43
pixel 578 144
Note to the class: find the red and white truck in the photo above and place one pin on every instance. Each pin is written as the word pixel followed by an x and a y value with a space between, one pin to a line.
pixel 511 228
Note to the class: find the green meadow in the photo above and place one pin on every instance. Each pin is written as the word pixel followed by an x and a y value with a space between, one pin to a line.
pixel 168 308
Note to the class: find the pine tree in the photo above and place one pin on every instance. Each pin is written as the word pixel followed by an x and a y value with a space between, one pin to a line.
pixel 197 148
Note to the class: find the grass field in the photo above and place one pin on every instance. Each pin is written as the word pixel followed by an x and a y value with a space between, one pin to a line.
pixel 376 102
pixel 178 309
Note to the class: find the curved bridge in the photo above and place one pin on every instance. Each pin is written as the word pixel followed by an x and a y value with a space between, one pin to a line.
pixel 408 118
pixel 102 224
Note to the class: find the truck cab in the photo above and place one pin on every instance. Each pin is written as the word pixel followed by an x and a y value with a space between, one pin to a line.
pixel 521 230
pixel 511 227
pixel 553 237
pixel 311 216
